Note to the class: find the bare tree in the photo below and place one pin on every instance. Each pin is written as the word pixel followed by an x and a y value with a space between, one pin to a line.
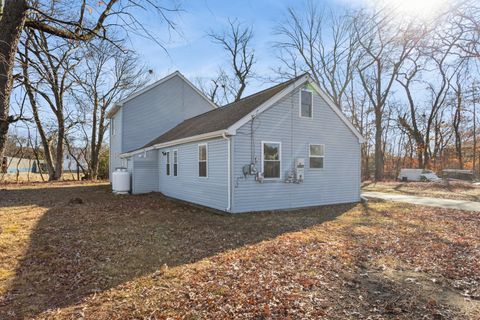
pixel 465 21
pixel 47 79
pixel 409 120
pixel 218 89
pixel 236 40
pixel 457 119
pixel 106 76
pixel 323 44
pixel 55 17
pixel 384 48
pixel 357 105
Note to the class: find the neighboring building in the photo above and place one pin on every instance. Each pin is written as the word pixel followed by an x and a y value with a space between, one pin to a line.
pixel 151 112
pixel 73 163
pixel 14 165
pixel 285 147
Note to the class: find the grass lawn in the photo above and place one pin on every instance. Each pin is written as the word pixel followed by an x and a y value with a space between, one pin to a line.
pixel 148 257
pixel 453 190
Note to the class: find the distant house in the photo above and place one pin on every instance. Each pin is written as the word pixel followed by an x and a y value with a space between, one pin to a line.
pixel 74 160
pixel 19 165
pixel 284 147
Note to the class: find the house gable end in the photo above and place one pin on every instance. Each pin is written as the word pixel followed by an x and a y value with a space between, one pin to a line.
pixel 159 109
pixel 155 85
pixel 297 85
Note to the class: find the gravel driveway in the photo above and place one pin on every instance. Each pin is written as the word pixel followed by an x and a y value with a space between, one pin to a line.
pixel 425 201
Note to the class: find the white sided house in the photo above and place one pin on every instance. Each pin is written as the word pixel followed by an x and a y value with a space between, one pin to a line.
pixel 284 147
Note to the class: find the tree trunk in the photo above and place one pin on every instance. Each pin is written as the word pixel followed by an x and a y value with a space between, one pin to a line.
pixel 421 164
pixel 59 150
pixel 457 119
pixel 11 25
pixel 378 145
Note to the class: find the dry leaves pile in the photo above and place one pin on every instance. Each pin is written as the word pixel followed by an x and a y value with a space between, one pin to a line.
pixel 147 257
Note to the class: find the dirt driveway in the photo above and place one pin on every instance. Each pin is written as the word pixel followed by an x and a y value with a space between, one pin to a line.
pixel 425 201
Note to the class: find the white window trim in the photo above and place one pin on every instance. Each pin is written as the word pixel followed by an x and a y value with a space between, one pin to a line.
pixel 279 159
pixel 174 151
pixel 168 163
pixel 198 160
pixel 310 155
pixel 300 103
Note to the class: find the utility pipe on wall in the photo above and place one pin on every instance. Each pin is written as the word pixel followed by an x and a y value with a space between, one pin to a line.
pixel 229 172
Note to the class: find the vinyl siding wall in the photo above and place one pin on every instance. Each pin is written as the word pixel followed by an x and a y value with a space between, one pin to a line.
pixel 158 110
pixel 211 191
pixel 144 172
pixel 337 182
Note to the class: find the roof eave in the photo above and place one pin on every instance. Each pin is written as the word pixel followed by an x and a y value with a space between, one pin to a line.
pixel 113 111
pixel 203 136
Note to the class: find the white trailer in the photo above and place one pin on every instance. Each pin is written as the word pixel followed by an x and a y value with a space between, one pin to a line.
pixel 417 175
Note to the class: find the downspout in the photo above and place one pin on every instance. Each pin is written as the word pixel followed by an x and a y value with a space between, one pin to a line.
pixel 229 172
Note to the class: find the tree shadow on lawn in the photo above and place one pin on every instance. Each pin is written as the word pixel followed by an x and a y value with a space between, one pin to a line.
pixel 78 249
pixel 396 268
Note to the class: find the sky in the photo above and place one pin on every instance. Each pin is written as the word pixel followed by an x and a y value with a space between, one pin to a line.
pixel 193 53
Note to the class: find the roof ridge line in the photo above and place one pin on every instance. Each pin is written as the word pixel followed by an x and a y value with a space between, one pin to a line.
pixel 269 88
pixel 249 96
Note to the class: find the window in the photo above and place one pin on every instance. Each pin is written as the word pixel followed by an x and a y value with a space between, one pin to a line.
pixel 168 163
pixel 112 126
pixel 316 154
pixel 271 155
pixel 306 102
pixel 175 162
pixel 202 160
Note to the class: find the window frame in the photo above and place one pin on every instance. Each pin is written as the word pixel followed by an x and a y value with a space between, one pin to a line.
pixel 279 159
pixel 206 160
pixel 300 104
pixel 310 155
pixel 175 162
pixel 167 163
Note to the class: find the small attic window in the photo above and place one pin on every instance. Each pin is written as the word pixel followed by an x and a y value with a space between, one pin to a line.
pixel 306 103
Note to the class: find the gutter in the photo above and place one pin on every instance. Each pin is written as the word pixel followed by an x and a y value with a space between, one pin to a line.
pixel 203 136
pixel 229 179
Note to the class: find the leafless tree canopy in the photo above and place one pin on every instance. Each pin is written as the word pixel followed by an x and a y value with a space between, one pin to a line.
pixel 67 19
pixel 106 77
pixel 230 83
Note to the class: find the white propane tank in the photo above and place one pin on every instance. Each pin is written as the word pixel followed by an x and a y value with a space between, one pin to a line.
pixel 121 181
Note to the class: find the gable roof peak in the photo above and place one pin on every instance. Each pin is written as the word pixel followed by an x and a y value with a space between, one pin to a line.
pixel 153 85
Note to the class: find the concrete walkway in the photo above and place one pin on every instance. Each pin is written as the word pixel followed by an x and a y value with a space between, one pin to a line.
pixel 425 201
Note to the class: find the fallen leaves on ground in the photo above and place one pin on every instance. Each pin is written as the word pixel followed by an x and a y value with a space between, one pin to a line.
pixel 149 257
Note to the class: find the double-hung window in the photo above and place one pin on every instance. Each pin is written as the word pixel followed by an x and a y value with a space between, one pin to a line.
pixel 175 162
pixel 306 103
pixel 167 169
pixel 271 159
pixel 202 160
pixel 316 155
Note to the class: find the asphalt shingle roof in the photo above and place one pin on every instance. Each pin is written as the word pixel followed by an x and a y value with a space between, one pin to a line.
pixel 220 118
